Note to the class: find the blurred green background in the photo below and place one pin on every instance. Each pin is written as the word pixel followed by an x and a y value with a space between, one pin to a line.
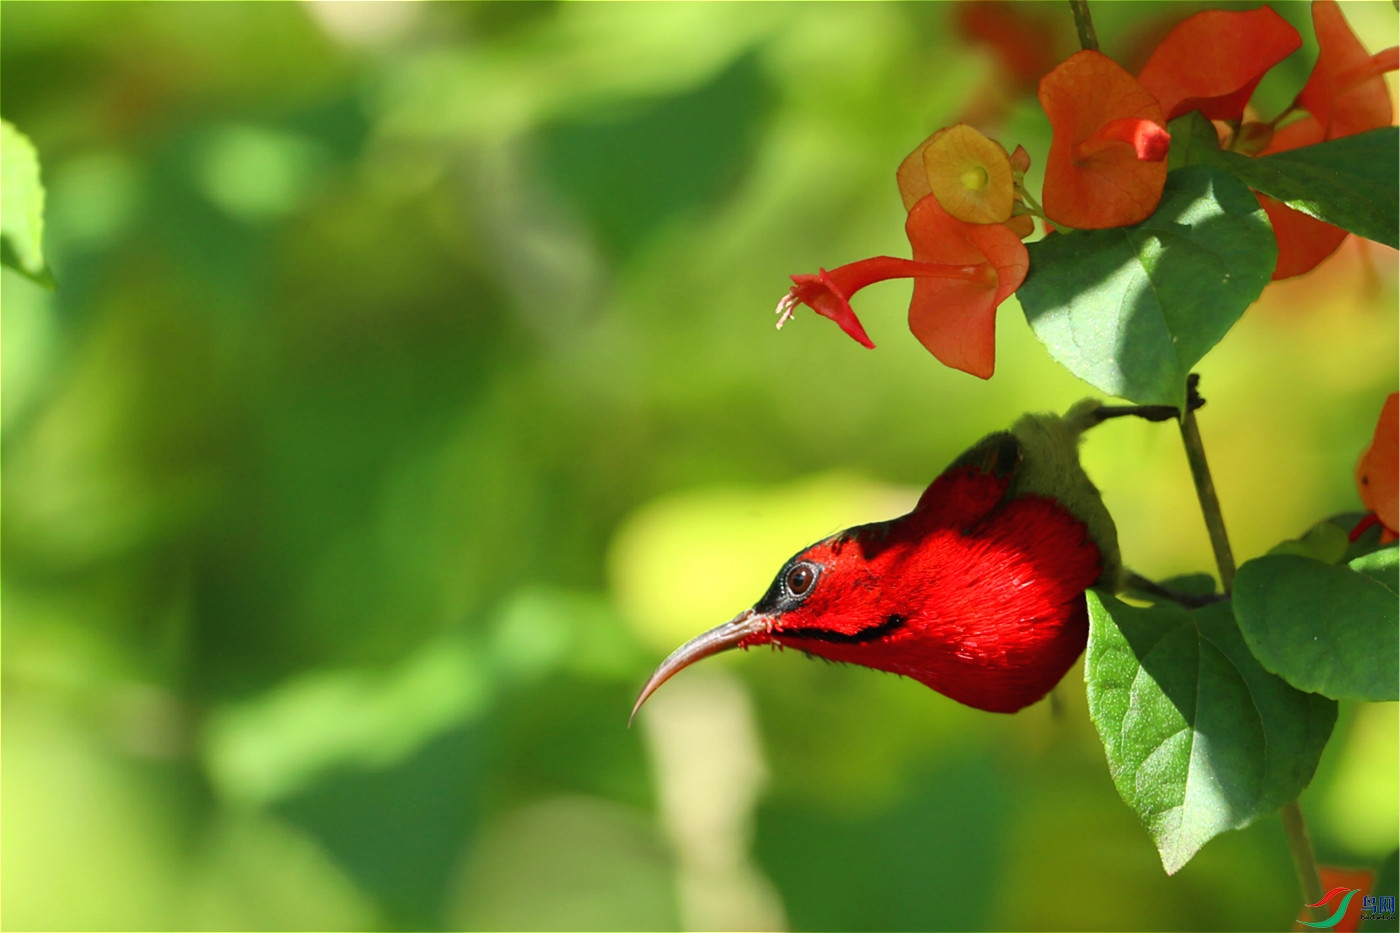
pixel 410 389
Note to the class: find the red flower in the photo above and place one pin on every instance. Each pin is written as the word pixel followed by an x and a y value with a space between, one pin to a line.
pixel 961 272
pixel 1303 241
pixel 1345 92
pixel 955 318
pixel 1023 43
pixel 1213 60
pixel 829 293
pixel 1107 162
pixel 1345 95
pixel 1378 474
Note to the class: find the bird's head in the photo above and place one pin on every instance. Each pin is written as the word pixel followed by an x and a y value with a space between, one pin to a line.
pixel 826 593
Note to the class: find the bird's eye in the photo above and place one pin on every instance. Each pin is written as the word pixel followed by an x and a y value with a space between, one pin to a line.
pixel 800 579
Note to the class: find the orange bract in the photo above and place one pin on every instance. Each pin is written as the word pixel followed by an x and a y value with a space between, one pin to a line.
pixel 970 175
pixel 1107 165
pixel 1213 60
pixel 912 177
pixel 914 182
pixel 1378 470
pixel 1345 95
pixel 955 319
pixel 1303 241
pixel 1345 91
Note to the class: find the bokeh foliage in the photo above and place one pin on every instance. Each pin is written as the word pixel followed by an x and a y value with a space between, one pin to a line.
pixel 409 388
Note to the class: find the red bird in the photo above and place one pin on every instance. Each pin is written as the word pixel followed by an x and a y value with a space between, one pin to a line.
pixel 977 593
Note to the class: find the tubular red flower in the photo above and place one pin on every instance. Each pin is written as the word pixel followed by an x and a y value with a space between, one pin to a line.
pixel 961 271
pixel 955 318
pixel 1213 60
pixel 1105 124
pixel 829 293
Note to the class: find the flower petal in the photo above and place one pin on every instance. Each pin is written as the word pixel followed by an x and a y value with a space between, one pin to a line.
pixel 1148 139
pixel 912 177
pixel 955 318
pixel 1345 92
pixel 829 293
pixel 1104 184
pixel 1303 241
pixel 1023 225
pixel 1020 161
pixel 1213 60
pixel 970 175
pixel 1378 470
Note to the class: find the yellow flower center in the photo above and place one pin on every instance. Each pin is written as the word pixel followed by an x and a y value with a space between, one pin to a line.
pixel 970 175
pixel 975 179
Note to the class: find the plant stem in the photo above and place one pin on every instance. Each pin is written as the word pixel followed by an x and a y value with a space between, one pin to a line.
pixel 1299 845
pixel 1085 24
pixel 1303 858
pixel 1205 492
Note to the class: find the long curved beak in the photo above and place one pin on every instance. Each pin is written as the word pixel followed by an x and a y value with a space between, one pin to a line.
pixel 720 638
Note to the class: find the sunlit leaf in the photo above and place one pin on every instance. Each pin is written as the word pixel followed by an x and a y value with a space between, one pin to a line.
pixel 1200 738
pixel 1131 310
pixel 21 206
pixel 1348 182
pixel 1327 629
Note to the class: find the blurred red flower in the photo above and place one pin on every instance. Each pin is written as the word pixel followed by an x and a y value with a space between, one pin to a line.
pixel 1378 474
pixel 1022 41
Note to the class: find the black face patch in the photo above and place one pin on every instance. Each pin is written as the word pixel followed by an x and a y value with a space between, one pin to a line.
pixel 875 632
pixel 798 580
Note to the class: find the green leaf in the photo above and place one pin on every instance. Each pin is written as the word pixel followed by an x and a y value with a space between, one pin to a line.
pixel 1324 541
pixel 1348 182
pixel 1382 566
pixel 1131 310
pixel 1193 142
pixel 1200 738
pixel 1346 522
pixel 1327 629
pixel 21 206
